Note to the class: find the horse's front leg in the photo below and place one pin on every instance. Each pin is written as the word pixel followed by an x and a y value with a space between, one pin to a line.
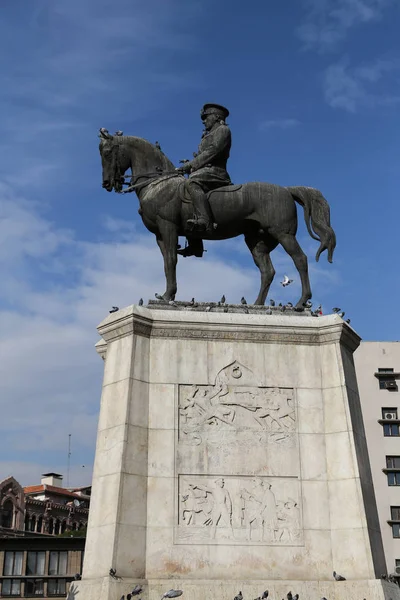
pixel 168 243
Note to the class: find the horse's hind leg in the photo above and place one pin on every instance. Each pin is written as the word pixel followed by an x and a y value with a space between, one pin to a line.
pixel 292 247
pixel 260 250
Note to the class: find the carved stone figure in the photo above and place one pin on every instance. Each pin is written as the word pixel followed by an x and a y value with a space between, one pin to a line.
pixel 264 213
pixel 221 512
pixel 259 510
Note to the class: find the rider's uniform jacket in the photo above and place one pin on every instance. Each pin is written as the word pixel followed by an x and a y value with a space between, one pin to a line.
pixel 213 153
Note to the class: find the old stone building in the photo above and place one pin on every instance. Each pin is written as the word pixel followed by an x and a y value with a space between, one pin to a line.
pixel 44 509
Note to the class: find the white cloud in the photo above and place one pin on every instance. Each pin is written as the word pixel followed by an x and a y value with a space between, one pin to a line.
pixel 352 88
pixel 328 22
pixel 279 124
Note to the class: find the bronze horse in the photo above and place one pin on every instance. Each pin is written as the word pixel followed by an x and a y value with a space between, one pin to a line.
pixel 263 212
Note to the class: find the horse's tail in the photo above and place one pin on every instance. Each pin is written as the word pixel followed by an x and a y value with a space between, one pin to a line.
pixel 317 217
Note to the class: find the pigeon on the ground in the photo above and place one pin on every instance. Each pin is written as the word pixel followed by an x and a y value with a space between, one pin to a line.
pixel 265 595
pixel 243 300
pixel 141 302
pixel 289 596
pixel 223 299
pixel 338 577
pixel 172 594
pixel 114 309
pixel 272 302
pixel 113 572
pixel 286 281
pixel 136 590
pixel 239 596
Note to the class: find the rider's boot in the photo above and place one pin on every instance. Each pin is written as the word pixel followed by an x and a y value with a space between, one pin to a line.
pixel 202 223
pixel 194 248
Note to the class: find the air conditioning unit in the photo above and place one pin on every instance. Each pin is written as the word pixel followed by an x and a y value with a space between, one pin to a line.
pixel 389 416
pixel 391 385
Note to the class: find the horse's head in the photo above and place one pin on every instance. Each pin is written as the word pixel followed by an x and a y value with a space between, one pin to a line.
pixel 113 159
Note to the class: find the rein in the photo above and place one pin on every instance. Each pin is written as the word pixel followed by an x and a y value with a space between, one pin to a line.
pixel 155 177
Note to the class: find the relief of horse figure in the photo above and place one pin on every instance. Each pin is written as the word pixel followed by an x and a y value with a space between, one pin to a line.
pixel 263 212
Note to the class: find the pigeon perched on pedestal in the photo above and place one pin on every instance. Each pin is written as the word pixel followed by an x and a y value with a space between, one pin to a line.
pixel 338 577
pixel 172 594
pixel 136 590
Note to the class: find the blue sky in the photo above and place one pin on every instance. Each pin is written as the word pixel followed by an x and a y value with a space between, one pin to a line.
pixel 313 87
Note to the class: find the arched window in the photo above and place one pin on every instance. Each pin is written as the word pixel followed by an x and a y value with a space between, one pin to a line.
pixel 33 523
pixel 63 526
pixel 51 526
pixel 39 525
pixel 27 522
pixel 57 527
pixel 7 514
pixel 74 526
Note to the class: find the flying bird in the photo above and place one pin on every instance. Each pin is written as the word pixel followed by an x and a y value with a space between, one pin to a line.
pixel 114 309
pixel 272 302
pixel 172 594
pixel 136 590
pixel 243 300
pixel 338 577
pixel 286 281
pixel 141 302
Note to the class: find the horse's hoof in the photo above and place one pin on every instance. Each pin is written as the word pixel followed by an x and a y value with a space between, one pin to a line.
pixel 299 307
pixel 159 297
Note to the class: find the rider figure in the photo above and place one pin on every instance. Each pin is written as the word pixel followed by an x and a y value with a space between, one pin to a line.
pixel 207 171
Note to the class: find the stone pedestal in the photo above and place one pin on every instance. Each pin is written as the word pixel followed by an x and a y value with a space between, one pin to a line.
pixel 231 456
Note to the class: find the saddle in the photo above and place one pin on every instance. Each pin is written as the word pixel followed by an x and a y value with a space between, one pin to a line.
pixel 185 197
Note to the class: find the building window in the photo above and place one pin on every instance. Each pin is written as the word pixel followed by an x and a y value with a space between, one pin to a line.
pixel 393 462
pixel 35 563
pixel 393 478
pixel 11 587
pixel 13 563
pixel 385 370
pixel 56 587
pixel 34 587
pixel 396 530
pixel 395 513
pixel 7 514
pixel 391 430
pixel 58 563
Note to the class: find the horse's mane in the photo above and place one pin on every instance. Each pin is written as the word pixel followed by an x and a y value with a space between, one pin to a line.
pixel 147 148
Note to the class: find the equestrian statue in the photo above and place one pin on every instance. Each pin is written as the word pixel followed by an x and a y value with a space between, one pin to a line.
pixel 206 206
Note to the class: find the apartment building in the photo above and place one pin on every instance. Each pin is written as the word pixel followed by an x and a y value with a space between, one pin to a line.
pixel 378 374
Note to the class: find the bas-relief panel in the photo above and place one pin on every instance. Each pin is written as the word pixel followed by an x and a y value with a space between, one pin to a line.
pixel 236 426
pixel 238 510
pixel 246 433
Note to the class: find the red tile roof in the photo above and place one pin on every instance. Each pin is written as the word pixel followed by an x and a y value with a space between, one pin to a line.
pixel 37 489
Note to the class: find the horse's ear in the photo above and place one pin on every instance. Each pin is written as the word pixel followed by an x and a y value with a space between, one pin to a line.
pixel 104 135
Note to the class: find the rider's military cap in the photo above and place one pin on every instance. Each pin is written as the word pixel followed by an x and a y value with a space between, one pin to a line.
pixel 209 109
